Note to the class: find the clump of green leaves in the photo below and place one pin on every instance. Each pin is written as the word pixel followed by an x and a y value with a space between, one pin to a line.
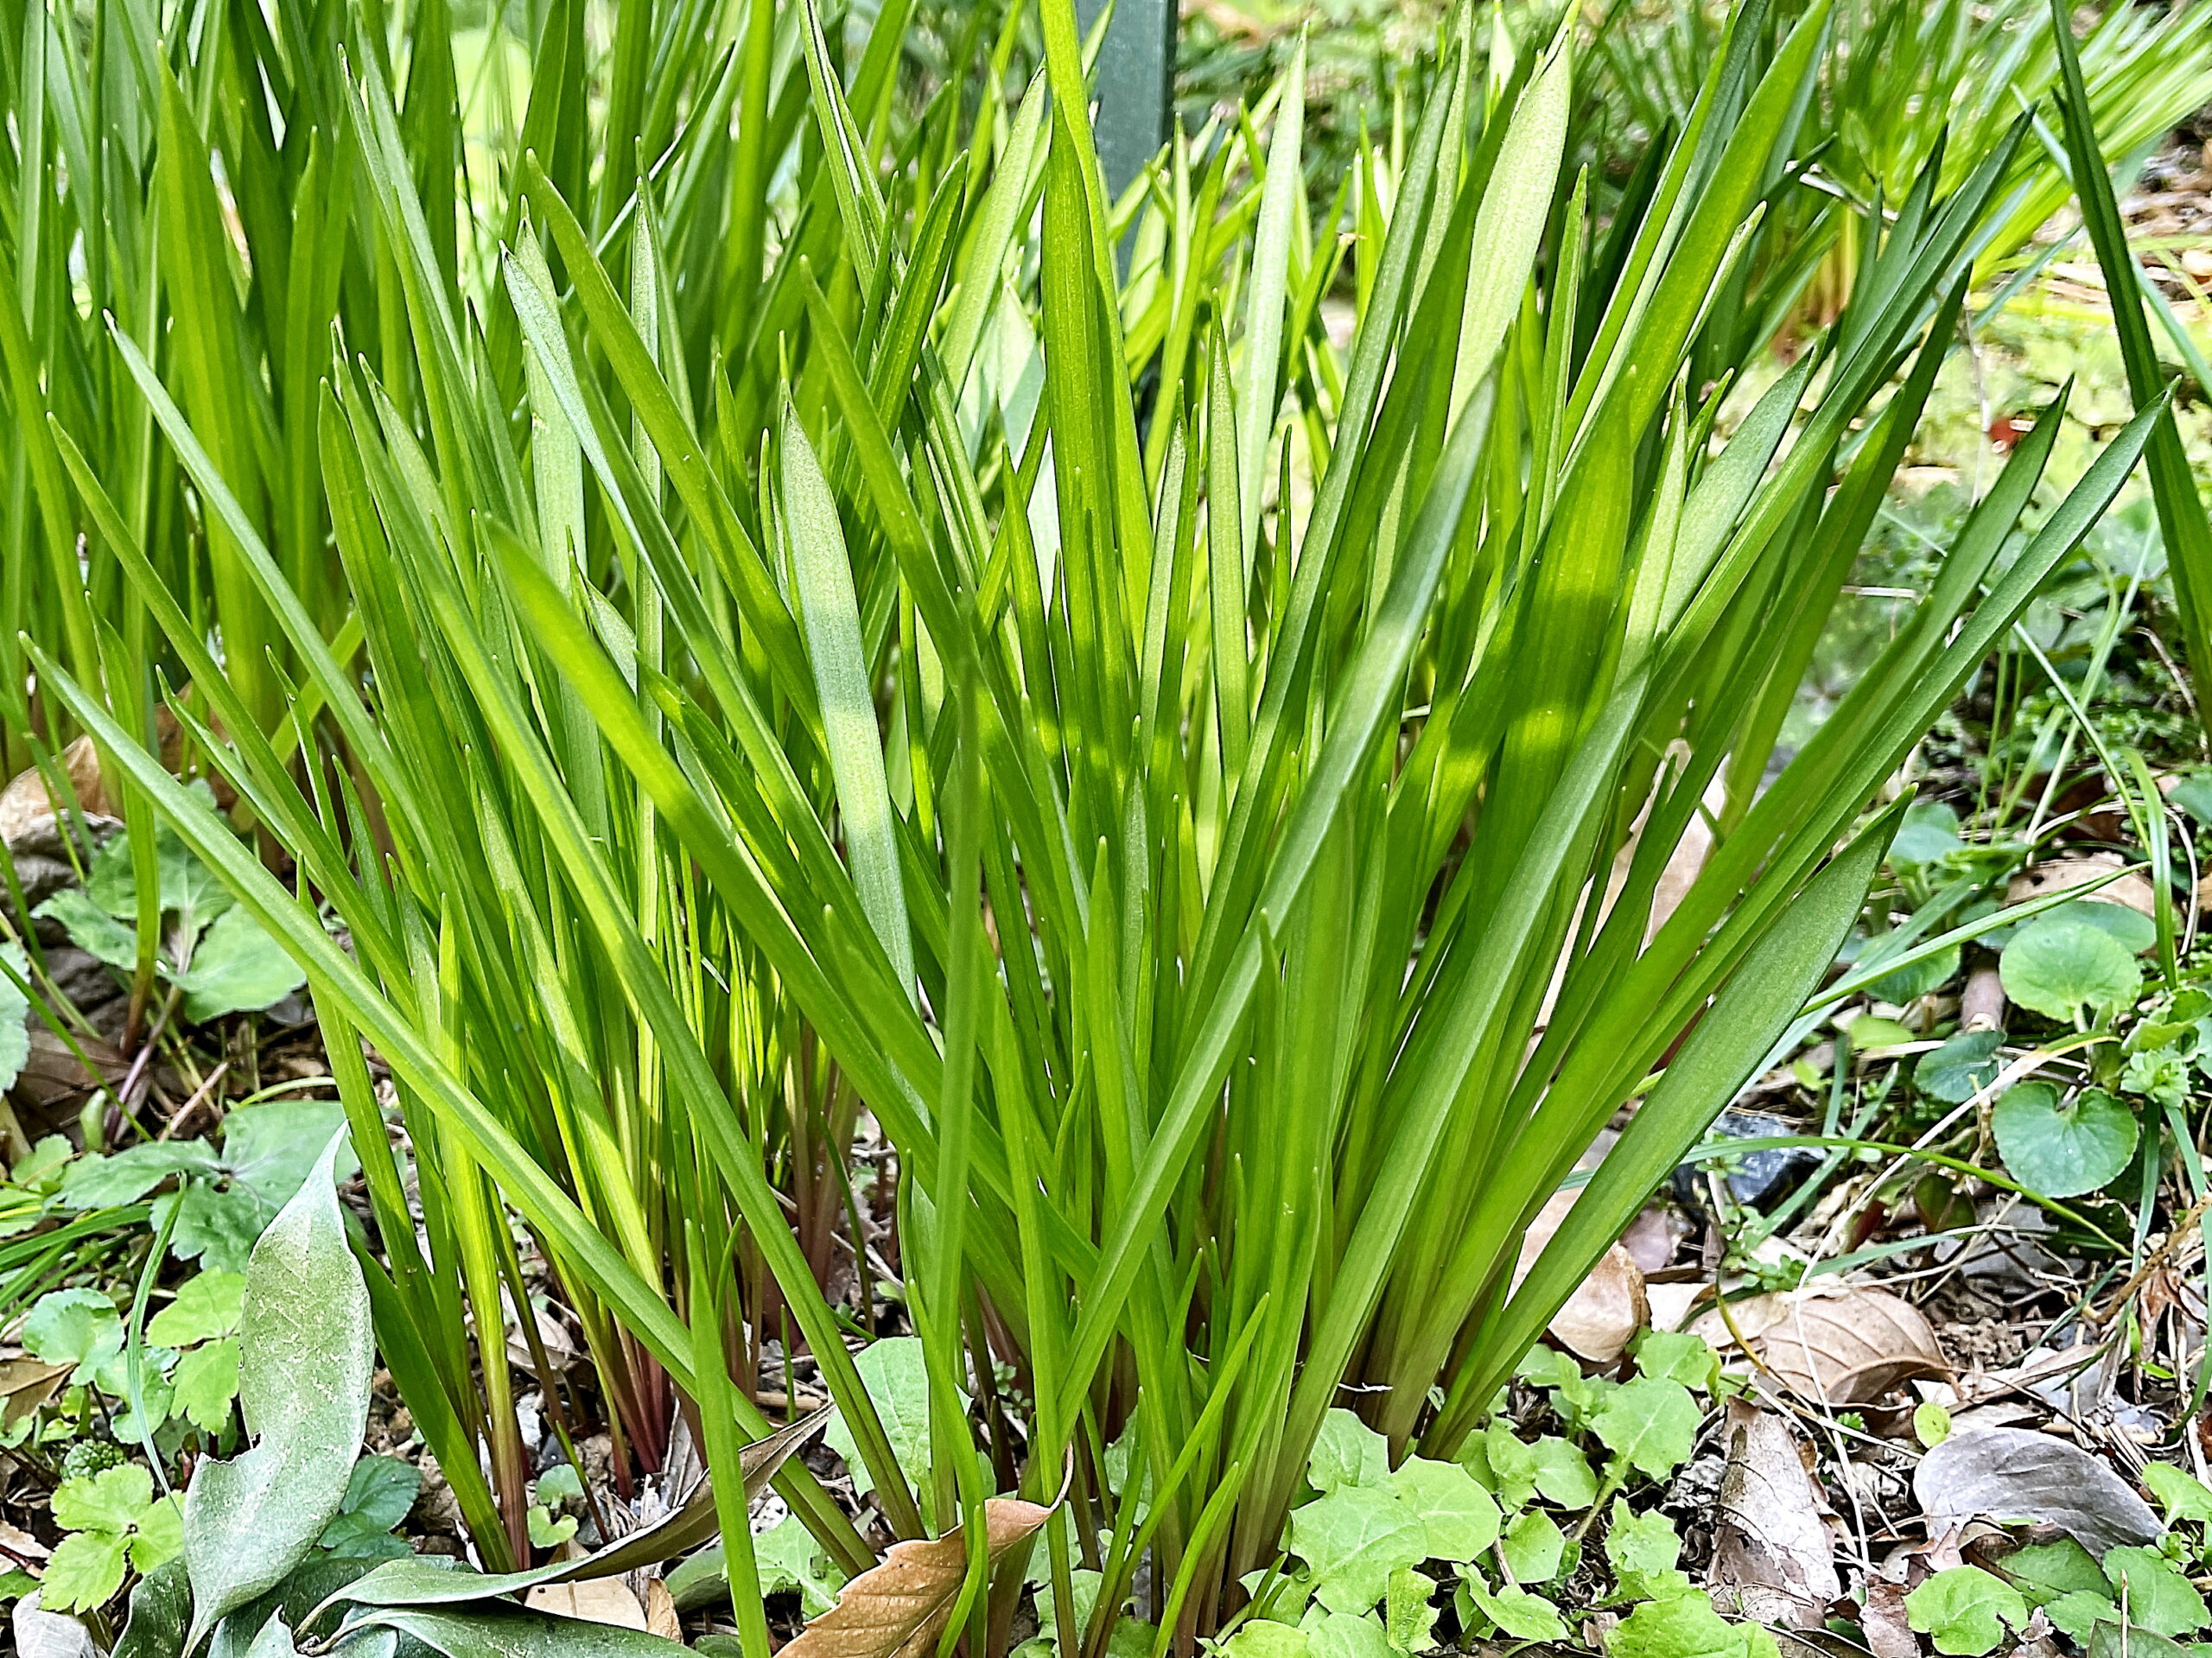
pixel 219 959
pixel 1374 1554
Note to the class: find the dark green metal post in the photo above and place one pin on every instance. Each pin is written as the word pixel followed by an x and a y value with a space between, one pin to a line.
pixel 1136 82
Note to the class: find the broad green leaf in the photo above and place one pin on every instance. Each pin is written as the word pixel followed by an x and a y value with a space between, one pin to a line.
pixel 1686 1626
pixel 91 929
pixel 1523 1616
pixel 2046 1571
pixel 1346 1451
pixel 236 968
pixel 898 1382
pixel 1533 1546
pixel 307 1360
pixel 1965 1610
pixel 1457 1514
pixel 1639 1546
pixel 515 1634
pixel 1264 1638
pixel 204 1383
pixel 1354 1538
pixel 15 1035
pixel 1677 1355
pixel 2061 1147
pixel 1346 1634
pixel 2158 1597
pixel 2183 1497
pixel 2066 969
pixel 79 1327
pixel 1649 1424
pixel 1409 1611
pixel 1928 833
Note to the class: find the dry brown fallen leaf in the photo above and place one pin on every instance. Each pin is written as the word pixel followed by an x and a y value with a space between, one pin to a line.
pixel 1774 1550
pixel 595 1600
pixel 660 1612
pixel 2059 873
pixel 1883 1622
pixel 25 1384
pixel 1602 1317
pixel 1845 1345
pixel 23 802
pixel 896 1609
pixel 2011 1473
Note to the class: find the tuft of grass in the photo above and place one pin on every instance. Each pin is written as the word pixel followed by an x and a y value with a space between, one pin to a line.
pixel 756 641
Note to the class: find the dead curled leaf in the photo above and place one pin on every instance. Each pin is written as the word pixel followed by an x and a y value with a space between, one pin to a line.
pixel 25 1384
pixel 596 1600
pixel 1845 1345
pixel 1774 1550
pixel 2010 1473
pixel 2056 875
pixel 1602 1317
pixel 897 1610
pixel 1884 1622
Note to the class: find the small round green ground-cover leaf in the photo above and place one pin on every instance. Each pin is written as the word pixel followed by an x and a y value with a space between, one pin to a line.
pixel 2066 969
pixel 1650 1423
pixel 1953 1072
pixel 1262 1638
pixel 1908 983
pixel 1345 1635
pixel 2157 1596
pixel 2136 931
pixel 2076 1614
pixel 1354 1538
pixel 2062 1148
pixel 1964 1610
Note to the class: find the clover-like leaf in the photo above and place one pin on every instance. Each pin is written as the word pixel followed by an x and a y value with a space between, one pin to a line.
pixel 307 1360
pixel 2067 968
pixel 84 1572
pixel 1354 1538
pixel 206 1305
pixel 1965 1610
pixel 112 1500
pixel 2061 1147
